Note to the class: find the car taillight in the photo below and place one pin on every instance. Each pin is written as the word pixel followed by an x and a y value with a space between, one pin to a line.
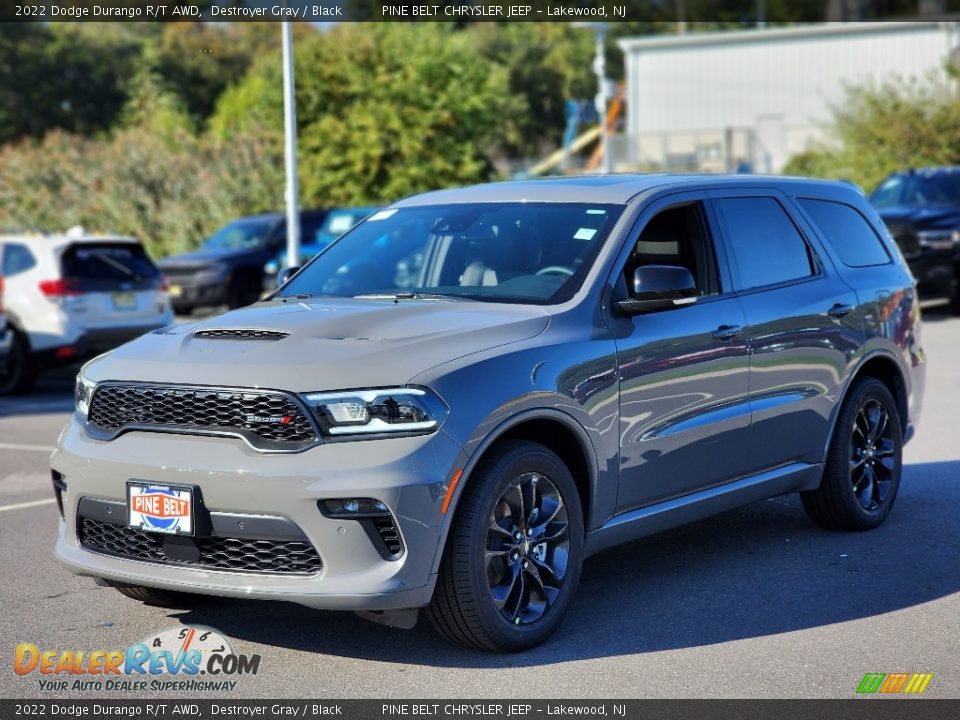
pixel 59 288
pixel 1 293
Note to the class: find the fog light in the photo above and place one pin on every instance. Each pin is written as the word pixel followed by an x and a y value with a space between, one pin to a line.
pixel 352 507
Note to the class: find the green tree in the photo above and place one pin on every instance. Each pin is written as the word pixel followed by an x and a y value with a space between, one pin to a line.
pixel 879 128
pixel 383 111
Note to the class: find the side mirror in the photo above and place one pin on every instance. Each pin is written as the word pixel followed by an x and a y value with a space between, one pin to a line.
pixel 658 287
pixel 286 273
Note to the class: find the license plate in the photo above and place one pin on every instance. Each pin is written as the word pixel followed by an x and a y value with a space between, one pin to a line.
pixel 160 508
pixel 175 291
pixel 124 301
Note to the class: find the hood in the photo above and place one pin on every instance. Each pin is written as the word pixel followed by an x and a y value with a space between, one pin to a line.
pixel 205 256
pixel 328 344
pixel 931 217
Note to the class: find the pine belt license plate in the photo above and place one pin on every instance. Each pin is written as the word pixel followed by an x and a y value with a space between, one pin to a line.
pixel 124 301
pixel 160 508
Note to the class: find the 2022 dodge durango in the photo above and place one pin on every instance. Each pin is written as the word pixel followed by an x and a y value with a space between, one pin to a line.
pixel 472 391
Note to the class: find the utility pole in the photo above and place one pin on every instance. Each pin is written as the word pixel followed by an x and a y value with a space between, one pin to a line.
pixel 600 69
pixel 290 151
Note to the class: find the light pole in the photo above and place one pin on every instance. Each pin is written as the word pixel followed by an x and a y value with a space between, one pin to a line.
pixel 600 101
pixel 290 151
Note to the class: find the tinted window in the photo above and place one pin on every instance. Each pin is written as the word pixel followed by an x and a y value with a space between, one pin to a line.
pixel 848 232
pixel 767 247
pixel 16 259
pixel 502 252
pixel 918 189
pixel 107 261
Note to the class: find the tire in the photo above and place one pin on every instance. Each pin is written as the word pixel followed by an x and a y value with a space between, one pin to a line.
pixel 861 478
pixel 19 375
pixel 955 295
pixel 158 597
pixel 464 609
pixel 183 309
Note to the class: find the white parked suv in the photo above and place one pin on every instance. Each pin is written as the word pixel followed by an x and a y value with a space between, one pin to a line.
pixel 72 296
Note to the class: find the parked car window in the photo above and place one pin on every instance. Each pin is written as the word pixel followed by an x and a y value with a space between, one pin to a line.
pixel 848 233
pixel 107 261
pixel 16 259
pixel 501 252
pixel 766 245
pixel 241 234
pixel 677 236
pixel 939 188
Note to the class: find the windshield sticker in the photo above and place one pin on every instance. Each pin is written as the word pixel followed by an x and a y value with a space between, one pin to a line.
pixel 382 215
pixel 584 234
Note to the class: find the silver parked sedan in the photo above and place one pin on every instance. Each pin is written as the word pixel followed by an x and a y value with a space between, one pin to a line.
pixel 473 390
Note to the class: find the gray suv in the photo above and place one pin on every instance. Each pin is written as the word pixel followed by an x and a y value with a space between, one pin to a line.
pixel 461 399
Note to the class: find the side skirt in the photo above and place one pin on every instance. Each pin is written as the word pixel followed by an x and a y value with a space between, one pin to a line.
pixel 696 506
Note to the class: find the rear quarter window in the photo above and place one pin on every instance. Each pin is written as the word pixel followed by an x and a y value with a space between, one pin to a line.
pixel 16 259
pixel 848 233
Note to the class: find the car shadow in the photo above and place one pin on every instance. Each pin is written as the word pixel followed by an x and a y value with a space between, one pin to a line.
pixel 761 570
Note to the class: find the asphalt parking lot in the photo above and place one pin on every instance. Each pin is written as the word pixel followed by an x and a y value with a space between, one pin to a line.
pixel 754 603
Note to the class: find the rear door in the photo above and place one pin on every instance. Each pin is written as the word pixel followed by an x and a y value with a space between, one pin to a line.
pixel 801 324
pixel 684 372
pixel 111 283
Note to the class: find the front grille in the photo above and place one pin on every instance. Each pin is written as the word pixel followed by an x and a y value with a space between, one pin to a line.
pixel 268 419
pixel 905 237
pixel 387 530
pixel 181 271
pixel 290 557
pixel 225 334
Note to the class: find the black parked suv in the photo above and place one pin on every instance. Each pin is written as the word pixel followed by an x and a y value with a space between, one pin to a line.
pixel 922 211
pixel 228 268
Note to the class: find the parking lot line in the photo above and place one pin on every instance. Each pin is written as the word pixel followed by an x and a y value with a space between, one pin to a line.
pixel 36 448
pixel 24 505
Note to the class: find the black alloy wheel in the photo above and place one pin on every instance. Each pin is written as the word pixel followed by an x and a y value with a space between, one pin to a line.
pixel 527 548
pixel 862 473
pixel 512 559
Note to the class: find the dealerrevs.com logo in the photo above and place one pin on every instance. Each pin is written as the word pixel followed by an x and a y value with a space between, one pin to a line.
pixel 894 683
pixel 182 658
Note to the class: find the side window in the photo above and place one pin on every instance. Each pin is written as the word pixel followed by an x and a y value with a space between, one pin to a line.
pixel 677 236
pixel 16 259
pixel 767 247
pixel 848 233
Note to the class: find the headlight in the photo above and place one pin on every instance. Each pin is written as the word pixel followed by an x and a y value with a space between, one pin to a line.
pixel 390 411
pixel 939 239
pixel 84 394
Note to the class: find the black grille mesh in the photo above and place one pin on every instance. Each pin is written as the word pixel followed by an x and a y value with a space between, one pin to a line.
pixel 227 334
pixel 278 417
pixel 216 553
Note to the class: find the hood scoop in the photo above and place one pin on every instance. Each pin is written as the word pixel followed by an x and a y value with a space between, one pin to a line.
pixel 240 334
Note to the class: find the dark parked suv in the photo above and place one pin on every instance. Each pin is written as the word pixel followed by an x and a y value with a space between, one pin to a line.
pixel 228 268
pixel 922 211
pixel 472 391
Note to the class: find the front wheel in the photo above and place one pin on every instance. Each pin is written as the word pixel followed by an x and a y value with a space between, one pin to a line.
pixel 862 475
pixel 512 561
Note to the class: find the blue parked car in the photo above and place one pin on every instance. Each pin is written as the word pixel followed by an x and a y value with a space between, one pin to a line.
pixel 336 223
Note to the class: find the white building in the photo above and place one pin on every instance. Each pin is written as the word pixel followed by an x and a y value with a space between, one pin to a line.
pixel 712 101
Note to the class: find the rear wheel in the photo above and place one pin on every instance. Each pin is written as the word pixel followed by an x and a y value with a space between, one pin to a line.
pixel 158 597
pixel 18 375
pixel 862 474
pixel 512 562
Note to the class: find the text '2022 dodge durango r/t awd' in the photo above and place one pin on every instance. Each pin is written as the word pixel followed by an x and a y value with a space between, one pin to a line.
pixel 455 403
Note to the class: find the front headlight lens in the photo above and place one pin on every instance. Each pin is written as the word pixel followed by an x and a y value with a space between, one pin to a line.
pixel 377 412
pixel 84 394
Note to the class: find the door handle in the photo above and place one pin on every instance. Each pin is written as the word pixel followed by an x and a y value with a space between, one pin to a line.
pixel 840 310
pixel 727 332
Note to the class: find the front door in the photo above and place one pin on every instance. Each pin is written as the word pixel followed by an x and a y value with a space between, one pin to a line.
pixel 684 408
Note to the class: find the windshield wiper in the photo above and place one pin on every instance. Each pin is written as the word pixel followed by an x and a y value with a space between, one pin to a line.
pixel 409 295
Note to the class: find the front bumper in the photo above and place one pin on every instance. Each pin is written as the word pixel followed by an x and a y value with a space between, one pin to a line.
pixel 92 342
pixel 199 290
pixel 409 475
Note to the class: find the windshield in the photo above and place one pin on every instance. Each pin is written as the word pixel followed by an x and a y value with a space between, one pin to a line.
pixel 918 189
pixel 500 252
pixel 240 235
